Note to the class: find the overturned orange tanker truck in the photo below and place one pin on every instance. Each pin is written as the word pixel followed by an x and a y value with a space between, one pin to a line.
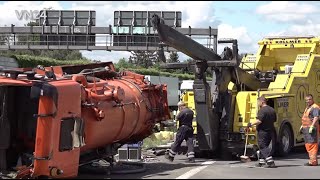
pixel 54 119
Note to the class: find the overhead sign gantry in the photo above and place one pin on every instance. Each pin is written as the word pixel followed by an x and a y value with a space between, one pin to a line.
pixel 77 30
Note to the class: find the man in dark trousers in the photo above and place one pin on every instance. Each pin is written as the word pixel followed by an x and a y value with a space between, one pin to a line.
pixel 310 129
pixel 265 127
pixel 185 132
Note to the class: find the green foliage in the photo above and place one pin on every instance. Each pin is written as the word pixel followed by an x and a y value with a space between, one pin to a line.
pixel 144 59
pixel 156 65
pixel 62 54
pixel 155 70
pixel 32 23
pixel 151 142
pixel 25 61
pixel 52 54
pixel 174 57
pixel 122 63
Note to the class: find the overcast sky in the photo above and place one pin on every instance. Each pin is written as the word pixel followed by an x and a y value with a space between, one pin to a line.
pixel 246 21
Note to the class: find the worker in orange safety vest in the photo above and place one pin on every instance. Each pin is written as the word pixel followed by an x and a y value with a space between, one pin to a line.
pixel 310 130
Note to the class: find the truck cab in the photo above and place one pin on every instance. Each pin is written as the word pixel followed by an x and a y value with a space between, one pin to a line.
pixel 291 67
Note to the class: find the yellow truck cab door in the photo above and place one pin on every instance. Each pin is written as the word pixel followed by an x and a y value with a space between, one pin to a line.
pixel 59 133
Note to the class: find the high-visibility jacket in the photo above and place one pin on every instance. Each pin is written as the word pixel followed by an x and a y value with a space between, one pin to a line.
pixel 306 121
pixel 311 140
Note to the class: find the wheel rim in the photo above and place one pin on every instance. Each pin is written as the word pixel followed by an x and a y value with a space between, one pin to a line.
pixel 285 140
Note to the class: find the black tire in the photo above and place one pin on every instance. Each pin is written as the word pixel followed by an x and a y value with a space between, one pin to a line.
pixel 226 156
pixel 224 152
pixel 285 141
pixel 203 154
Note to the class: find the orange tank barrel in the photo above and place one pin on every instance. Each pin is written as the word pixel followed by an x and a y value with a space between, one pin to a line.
pixel 130 107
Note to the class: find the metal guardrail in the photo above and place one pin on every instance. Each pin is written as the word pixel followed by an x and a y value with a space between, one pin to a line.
pixel 98 30
pixel 90 42
pixel 95 38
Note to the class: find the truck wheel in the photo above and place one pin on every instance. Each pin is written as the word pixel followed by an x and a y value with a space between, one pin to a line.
pixel 226 155
pixel 285 141
pixel 204 154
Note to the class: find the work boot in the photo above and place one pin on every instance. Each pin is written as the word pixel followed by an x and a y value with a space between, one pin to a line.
pixel 270 165
pixel 170 158
pixel 260 164
pixel 308 164
pixel 167 156
pixel 190 160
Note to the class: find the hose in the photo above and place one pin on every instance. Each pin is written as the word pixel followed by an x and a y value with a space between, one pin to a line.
pixel 140 170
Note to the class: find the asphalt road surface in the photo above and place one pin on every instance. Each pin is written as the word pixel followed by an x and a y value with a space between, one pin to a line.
pixel 290 167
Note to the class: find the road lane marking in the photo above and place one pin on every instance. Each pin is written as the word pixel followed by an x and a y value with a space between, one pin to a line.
pixel 194 171
pixel 208 162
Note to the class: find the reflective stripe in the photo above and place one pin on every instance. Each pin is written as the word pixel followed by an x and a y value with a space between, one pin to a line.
pixel 172 153
pixel 269 159
pixel 262 161
pixel 190 155
pixel 258 154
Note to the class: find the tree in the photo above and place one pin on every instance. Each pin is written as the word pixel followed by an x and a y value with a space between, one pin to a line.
pixel 62 54
pixel 160 55
pixel 189 60
pixel 122 63
pixel 144 59
pixel 174 57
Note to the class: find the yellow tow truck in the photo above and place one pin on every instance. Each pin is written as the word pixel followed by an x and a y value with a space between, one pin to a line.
pixel 284 70
pixel 291 65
